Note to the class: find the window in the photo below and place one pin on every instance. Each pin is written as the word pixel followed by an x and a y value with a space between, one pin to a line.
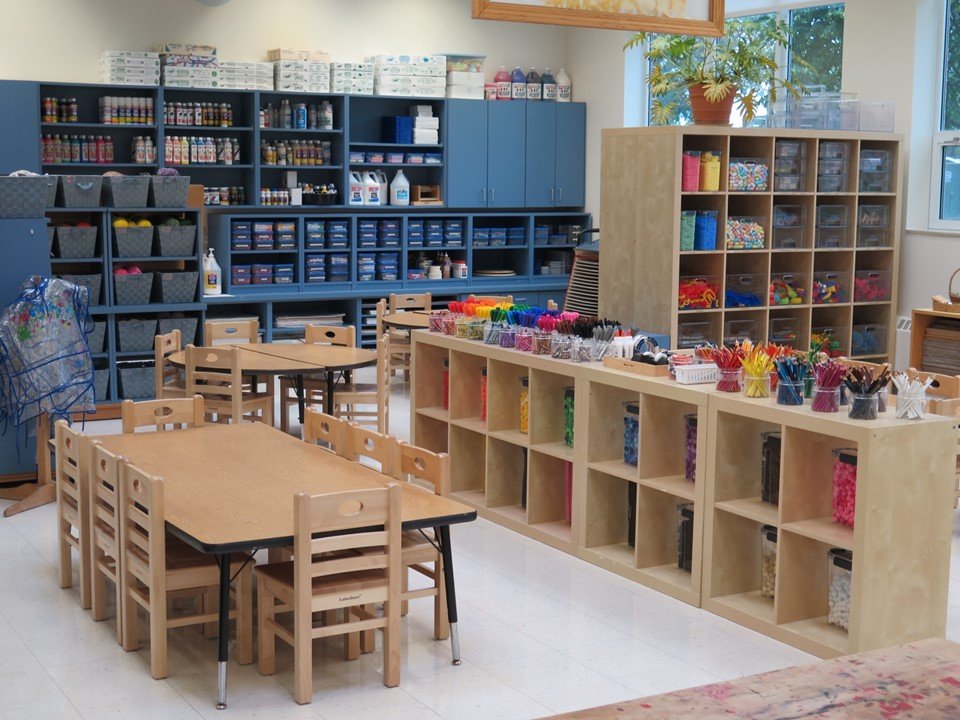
pixel 945 175
pixel 815 59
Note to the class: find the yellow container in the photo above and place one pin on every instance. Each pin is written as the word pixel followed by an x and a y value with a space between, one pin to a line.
pixel 709 172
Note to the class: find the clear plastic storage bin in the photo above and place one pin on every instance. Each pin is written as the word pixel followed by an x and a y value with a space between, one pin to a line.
pixel 834 166
pixel 832 216
pixel 873 237
pixel 790 166
pixel 685 536
pixel 833 150
pixel 832 238
pixel 840 586
pixel 873 216
pixel 788 288
pixel 872 286
pixel 835 344
pixel 830 287
pixel 869 340
pixel 791 149
pixel 875 160
pixel 832 183
pixel 785 331
pixel 789 183
pixel 770 452
pixel 739 330
pixel 692 334
pixel 745 232
pixel 875 182
pixel 744 290
pixel 748 175
pixel 699 292
pixel 768 561
pixel 789 216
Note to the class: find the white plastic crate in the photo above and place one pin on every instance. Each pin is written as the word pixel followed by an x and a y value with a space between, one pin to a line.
pixel 697 374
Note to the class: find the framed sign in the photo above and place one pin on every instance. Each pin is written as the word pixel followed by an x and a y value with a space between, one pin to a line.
pixel 679 17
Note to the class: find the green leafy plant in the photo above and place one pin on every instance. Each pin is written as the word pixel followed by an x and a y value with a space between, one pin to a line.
pixel 742 62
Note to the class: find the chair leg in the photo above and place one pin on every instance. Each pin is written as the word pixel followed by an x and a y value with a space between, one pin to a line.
pixel 158 635
pixel 368 638
pixel 98 588
pixel 118 602
pixel 211 604
pixel 391 644
pixel 284 408
pixel 131 631
pixel 66 556
pixel 303 655
pixel 85 569
pixel 404 588
pixel 245 616
pixel 266 643
pixel 351 645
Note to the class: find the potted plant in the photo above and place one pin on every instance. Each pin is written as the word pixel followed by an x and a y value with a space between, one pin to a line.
pixel 740 66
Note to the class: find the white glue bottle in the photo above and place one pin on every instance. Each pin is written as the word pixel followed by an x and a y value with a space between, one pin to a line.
pixel 384 182
pixel 400 189
pixel 371 190
pixel 356 189
pixel 564 87
pixel 212 278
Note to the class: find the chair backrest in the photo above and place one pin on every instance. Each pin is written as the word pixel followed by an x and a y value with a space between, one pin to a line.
pixel 425 468
pixel 498 299
pixel 948 386
pixel 377 509
pixel 164 372
pixel 552 305
pixel 382 374
pixel 363 443
pixel 231 331
pixel 104 493
pixel 178 413
pixel 71 469
pixel 320 427
pixel 214 374
pixel 142 531
pixel 344 335
pixel 381 310
pixel 417 301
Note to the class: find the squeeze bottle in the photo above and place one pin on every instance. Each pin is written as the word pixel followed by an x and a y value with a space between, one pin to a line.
pixel 400 189
pixel 534 89
pixel 518 85
pixel 549 86
pixel 211 275
pixel 502 79
pixel 564 87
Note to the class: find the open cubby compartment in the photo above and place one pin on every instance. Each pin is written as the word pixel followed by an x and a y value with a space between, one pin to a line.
pixel 216 310
pixel 506 259
pixel 88 101
pixel 740 325
pixel 662 445
pixel 870 338
pixel 658 541
pixel 103 380
pixel 878 166
pixel 876 221
pixel 468 476
pixel 367 112
pixel 790 326
pixel 790 270
pixel 738 466
pixel 735 567
pixel 413 257
pixel 699 328
pixel 431 433
pixel 503 400
pixel 499 231
pixel 465 380
pixel 507 478
pixel 702 204
pixel 607 518
pixel 832 268
pixel 289 318
pixel 792 226
pixel 835 223
pixel 713 143
pixel 754 149
pixel 546 413
pixel 338 102
pixel 560 229
pixel 834 322
pixel 432 362
pixel 803 592
pixel 706 266
pixel 806 487
pixel 746 275
pixel 550 494
pixel 242 103
pixel 605 429
pixel 794 165
pixel 552 262
pixel 750 209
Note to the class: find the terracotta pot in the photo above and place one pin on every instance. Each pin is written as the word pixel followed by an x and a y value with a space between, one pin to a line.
pixel 710 113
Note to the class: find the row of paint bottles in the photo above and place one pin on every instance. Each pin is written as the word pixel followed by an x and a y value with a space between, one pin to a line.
pixel 533 86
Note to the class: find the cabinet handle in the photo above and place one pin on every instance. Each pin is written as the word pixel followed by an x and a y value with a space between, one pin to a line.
pixel 483 194
pixel 551 195
pixel 559 195
pixel 493 194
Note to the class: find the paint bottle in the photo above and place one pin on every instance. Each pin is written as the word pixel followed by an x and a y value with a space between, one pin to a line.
pixel 549 86
pixel 534 88
pixel 356 189
pixel 564 87
pixel 518 85
pixel 502 79
pixel 371 189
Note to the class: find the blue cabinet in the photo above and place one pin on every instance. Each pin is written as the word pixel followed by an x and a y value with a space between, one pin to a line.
pixel 555 164
pixel 506 140
pixel 19 127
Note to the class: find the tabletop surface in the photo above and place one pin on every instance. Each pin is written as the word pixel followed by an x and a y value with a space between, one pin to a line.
pixel 413 319
pixel 294 357
pixel 233 485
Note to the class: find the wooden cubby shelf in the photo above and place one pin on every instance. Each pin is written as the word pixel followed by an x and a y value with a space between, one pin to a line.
pixel 586 500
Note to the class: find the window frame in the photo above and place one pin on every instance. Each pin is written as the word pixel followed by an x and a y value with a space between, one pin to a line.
pixel 941 138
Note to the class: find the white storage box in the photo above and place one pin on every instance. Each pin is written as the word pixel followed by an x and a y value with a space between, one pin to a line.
pixel 465 92
pixel 471 79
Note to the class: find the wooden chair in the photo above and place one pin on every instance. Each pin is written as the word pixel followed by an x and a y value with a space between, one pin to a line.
pixel 214 373
pixel 231 331
pixel 154 565
pixel 158 414
pixel 420 549
pixel 498 299
pixel 73 510
pixel 322 578
pixel 361 443
pixel 170 382
pixel 332 431
pixel 400 339
pixel 376 395
pixel 313 387
pixel 104 502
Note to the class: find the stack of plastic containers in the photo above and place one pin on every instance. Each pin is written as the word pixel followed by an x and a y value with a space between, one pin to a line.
pixel 833 167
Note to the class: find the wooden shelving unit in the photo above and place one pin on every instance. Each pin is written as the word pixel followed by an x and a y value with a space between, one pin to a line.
pixel 642 263
pixel 900 540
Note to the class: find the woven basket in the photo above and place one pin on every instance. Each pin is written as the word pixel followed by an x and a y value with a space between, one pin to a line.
pixel 101 379
pixel 80 191
pixel 135 335
pixel 132 242
pixel 51 232
pixel 133 289
pixel 136 379
pixel 97 336
pixel 126 191
pixel 23 197
pixel 172 241
pixel 53 184
pixel 91 282
pixel 76 242
pixel 186 325
pixel 177 287
pixel 169 192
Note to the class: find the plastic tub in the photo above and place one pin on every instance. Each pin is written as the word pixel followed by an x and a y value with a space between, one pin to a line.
pixel 692 334
pixel 832 238
pixel 789 183
pixel 840 579
pixel 873 237
pixel 873 216
pixel 748 175
pixel 745 232
pixel 790 149
pixel 631 433
pixel 787 289
pixel 785 331
pixel 872 286
pixel 833 339
pixel 740 330
pixel 832 183
pixel 789 216
pixel 699 292
pixel 705 230
pixel 832 216
pixel 790 166
pixel 744 290
pixel 833 150
pixel 875 182
pixel 830 287
pixel 690 453
pixel 685 536
pixel 873 161
pixel 768 561
pixel 869 340
pixel 788 238
pixel 688 229
pixel 844 486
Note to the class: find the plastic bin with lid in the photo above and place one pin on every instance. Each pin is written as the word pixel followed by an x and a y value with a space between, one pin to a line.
pixel 840 587
pixel 768 561
pixel 832 183
pixel 693 334
pixel 790 149
pixel 832 216
pixel 745 232
pixel 869 340
pixel 790 166
pixel 873 237
pixel 789 183
pixel 744 290
pixel 872 285
pixel 740 330
pixel 833 150
pixel 831 287
pixel 875 182
pixel 874 216
pixel 789 216
pixel 699 292
pixel 832 166
pixel 785 331
pixel 875 160
pixel 748 174
pixel 788 288
pixel 832 238
pixel 833 338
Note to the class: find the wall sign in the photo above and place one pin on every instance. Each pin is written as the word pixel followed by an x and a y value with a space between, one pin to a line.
pixel 687 17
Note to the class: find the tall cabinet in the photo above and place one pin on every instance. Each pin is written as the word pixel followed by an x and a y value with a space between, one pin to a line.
pixel 825 221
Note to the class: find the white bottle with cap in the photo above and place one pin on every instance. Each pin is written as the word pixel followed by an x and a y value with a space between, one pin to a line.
pixel 564 87
pixel 400 189
pixel 212 278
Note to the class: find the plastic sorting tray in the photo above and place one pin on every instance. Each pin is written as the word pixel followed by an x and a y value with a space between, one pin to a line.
pixel 869 340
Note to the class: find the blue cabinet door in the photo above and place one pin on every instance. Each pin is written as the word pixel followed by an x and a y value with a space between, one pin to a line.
pixel 506 138
pixel 541 154
pixel 19 126
pixel 466 153
pixel 570 154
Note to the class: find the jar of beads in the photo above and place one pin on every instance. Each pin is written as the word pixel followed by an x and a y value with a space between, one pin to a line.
pixel 705 230
pixel 631 433
pixel 709 171
pixel 768 561
pixel 748 175
pixel 524 404
pixel 690 171
pixel 446 383
pixel 844 485
pixel 475 329
pixel 483 394
pixel 688 229
pixel 770 467
pixel 685 536
pixel 840 582
pixel 461 326
pixel 568 416
pixel 690 454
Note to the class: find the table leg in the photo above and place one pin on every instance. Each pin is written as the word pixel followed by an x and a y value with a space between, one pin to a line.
pixel 447 552
pixel 298 388
pixel 328 395
pixel 223 629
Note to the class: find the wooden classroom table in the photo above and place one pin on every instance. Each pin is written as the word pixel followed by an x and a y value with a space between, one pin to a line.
pixel 230 488
pixel 298 360
pixel 919 681
pixel 408 320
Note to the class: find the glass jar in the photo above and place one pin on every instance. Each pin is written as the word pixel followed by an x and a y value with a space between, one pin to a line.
pixel 475 329
pixel 756 386
pixel 685 536
pixel 912 408
pixel 491 333
pixel 690 173
pixel 770 453
pixel 789 392
pixel 508 337
pixel 446 383
pixel 449 325
pixel 864 407
pixel 840 584
pixel 883 397
pixel 631 433
pixel 825 400
pixel 461 326
pixel 768 561
pixel 844 486
pixel 524 404
pixel 690 454
pixel 436 322
pixel 568 416
pixel 560 347
pixel 483 394
pixel 730 381
pixel 524 341
pixel 541 343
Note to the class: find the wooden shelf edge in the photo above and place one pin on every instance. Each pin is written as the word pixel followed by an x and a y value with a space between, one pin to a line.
pixel 752 509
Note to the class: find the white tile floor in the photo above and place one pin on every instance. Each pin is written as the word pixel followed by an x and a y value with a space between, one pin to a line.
pixel 541 632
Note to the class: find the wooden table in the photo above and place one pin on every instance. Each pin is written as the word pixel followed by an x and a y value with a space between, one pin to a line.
pixel 230 488
pixel 409 320
pixel 298 360
pixel 919 681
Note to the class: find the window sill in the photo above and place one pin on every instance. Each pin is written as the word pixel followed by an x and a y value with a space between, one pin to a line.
pixel 932 231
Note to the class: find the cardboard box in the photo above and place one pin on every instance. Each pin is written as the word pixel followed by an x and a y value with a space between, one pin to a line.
pixel 130 54
pixel 112 61
pixel 421 122
pixel 190 83
pixel 301 66
pixel 113 80
pixel 297 54
pixel 465 63
pixel 472 79
pixel 190 72
pixel 361 67
pixel 465 92
pixel 188 60
pixel 185 49
pixel 433 92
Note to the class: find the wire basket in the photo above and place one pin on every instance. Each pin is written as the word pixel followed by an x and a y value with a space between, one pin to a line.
pixel 697 374
pixel 133 289
pixel 135 335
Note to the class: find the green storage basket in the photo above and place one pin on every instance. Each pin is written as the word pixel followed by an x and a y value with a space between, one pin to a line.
pixel 133 289
pixel 136 379
pixel 126 191
pixel 130 242
pixel 76 242
pixel 92 282
pixel 177 287
pixel 174 241
pixel 136 335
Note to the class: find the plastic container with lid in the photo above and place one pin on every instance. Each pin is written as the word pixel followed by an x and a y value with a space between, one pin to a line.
pixel 840 584
pixel 834 166
pixel 789 183
pixel 787 288
pixel 830 287
pixel 832 216
pixel 790 166
pixel 844 485
pixel 735 331
pixel 873 237
pixel 791 149
pixel 768 561
pixel 692 334
pixel 875 182
pixel 744 290
pixel 770 453
pixel 524 404
pixel 785 331
pixel 690 171
pixel 875 160
pixel 832 183
pixel 748 175
pixel 833 150
pixel 568 406
pixel 869 340
pixel 688 229
pixel 690 454
pixel 631 433
pixel 709 171
pixel 872 286
pixel 745 232
pixel 685 536
pixel 873 216
pixel 705 230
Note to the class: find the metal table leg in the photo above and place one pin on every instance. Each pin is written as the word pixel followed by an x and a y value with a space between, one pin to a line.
pixel 223 627
pixel 298 389
pixel 447 552
pixel 328 395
